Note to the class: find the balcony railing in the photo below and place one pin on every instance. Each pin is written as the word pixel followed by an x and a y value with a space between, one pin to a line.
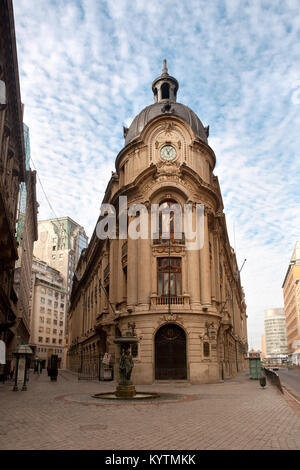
pixel 172 239
pixel 172 300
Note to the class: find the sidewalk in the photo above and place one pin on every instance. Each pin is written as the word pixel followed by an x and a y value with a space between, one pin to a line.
pixel 236 414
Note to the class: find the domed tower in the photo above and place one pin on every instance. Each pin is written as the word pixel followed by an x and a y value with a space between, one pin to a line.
pixel 184 302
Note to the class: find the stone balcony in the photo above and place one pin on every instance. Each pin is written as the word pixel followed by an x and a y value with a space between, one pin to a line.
pixel 166 239
pixel 180 301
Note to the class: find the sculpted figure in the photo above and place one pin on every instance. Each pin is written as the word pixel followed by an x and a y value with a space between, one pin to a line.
pixel 126 366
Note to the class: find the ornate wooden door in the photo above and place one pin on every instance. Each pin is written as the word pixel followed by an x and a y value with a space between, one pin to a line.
pixel 170 353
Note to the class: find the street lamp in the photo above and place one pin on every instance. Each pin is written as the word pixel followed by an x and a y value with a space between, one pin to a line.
pixel 21 351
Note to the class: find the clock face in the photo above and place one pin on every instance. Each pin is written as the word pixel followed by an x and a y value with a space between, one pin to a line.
pixel 168 152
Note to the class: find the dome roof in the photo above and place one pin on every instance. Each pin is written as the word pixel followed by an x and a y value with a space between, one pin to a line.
pixel 165 90
pixel 159 109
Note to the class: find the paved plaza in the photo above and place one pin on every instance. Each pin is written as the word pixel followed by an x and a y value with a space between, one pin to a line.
pixel 62 415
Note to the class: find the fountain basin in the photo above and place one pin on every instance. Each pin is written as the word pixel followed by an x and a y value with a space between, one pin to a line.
pixel 137 396
pixel 126 340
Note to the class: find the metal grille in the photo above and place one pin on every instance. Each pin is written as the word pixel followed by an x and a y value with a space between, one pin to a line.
pixel 172 300
pixel 92 368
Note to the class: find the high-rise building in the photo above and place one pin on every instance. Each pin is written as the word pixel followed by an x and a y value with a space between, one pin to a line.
pixel 60 244
pixel 291 295
pixel 275 335
pixel 48 312
pixel 185 304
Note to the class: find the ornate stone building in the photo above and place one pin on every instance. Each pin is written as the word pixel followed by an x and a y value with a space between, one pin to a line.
pixel 27 234
pixel 12 169
pixel 291 296
pixel 186 306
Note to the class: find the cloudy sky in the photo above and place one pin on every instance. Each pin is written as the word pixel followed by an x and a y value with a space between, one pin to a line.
pixel 86 69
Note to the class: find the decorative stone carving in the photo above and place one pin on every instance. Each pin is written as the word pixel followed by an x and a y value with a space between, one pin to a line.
pixel 169 127
pixel 170 317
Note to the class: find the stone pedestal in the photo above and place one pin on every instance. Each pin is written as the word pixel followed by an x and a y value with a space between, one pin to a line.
pixel 125 390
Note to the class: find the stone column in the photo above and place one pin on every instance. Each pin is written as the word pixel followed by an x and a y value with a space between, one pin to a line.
pixel 185 280
pixel 119 274
pixel 132 272
pixel 153 275
pixel 205 265
pixel 217 267
pixel 112 271
pixel 213 267
pixel 193 268
pixel 144 272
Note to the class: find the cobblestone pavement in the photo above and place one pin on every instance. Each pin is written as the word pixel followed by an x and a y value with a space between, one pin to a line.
pixel 236 414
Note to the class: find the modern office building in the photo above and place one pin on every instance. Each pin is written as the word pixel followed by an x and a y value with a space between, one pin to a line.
pixel 291 295
pixel 48 312
pixel 275 336
pixel 60 243
pixel 185 304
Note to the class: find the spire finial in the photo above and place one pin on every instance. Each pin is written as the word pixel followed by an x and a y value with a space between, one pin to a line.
pixel 165 87
pixel 165 70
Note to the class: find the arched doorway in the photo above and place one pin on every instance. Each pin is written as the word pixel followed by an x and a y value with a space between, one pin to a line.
pixel 170 353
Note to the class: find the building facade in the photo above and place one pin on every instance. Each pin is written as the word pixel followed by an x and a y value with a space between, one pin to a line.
pixel 12 171
pixel 48 312
pixel 275 336
pixel 292 302
pixel 27 234
pixel 186 305
pixel 60 243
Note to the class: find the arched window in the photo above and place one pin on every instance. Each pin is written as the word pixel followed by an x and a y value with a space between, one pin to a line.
pixel 169 225
pixel 165 91
pixel 169 276
pixel 206 348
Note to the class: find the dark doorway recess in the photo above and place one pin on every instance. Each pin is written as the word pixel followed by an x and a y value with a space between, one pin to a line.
pixel 170 353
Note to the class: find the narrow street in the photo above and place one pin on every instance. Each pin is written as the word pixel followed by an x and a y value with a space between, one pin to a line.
pixel 291 379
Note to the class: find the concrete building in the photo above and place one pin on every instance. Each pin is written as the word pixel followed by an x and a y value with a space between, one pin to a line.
pixel 60 243
pixel 48 312
pixel 291 295
pixel 12 171
pixel 186 306
pixel 275 336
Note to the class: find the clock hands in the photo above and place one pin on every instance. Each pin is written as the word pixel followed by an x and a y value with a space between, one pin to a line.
pixel 168 152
